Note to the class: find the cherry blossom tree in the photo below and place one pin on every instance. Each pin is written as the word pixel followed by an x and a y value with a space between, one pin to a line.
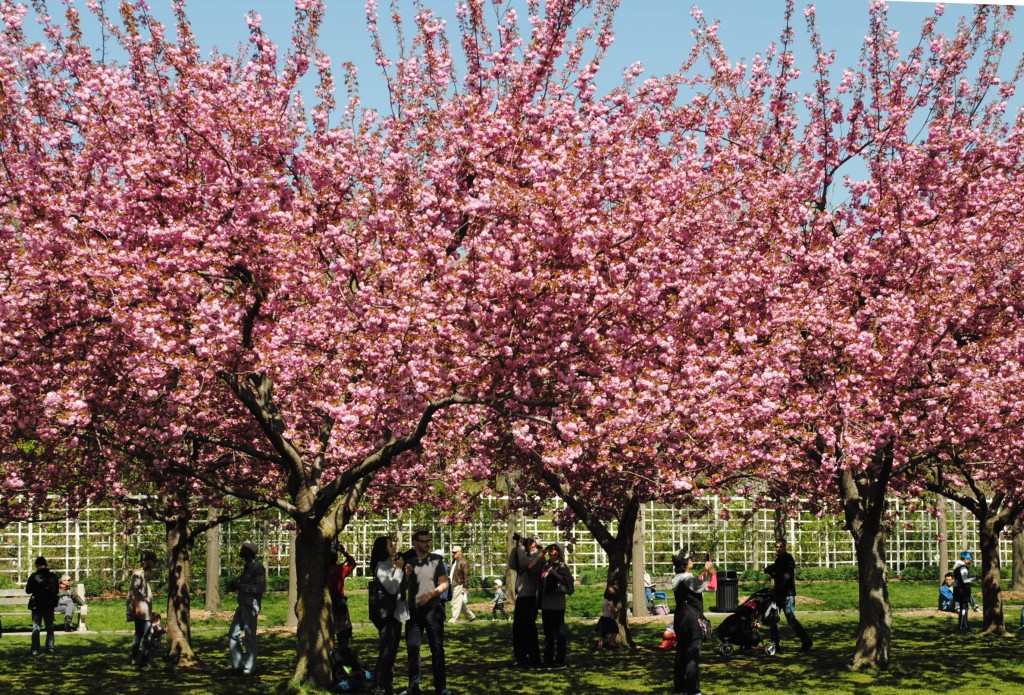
pixel 880 303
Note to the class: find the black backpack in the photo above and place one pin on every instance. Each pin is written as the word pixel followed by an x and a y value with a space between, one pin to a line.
pixel 46 593
pixel 382 604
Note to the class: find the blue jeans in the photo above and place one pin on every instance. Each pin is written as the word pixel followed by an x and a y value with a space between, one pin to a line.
pixel 242 642
pixel 787 610
pixel 39 619
pixel 140 642
pixel 428 619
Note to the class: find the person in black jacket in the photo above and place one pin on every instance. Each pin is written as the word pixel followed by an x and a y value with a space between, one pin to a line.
pixel 44 588
pixel 783 571
pixel 687 587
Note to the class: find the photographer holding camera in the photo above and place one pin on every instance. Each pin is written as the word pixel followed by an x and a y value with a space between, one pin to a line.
pixel 556 582
pixel 525 561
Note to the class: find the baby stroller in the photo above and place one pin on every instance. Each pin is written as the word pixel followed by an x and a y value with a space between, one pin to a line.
pixel 659 604
pixel 741 628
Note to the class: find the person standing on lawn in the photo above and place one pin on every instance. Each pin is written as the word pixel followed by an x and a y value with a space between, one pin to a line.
pixel 243 645
pixel 139 608
pixel 460 586
pixel 962 581
pixel 526 561
pixel 428 580
pixel 43 587
pixel 555 584
pixel 687 588
pixel 783 571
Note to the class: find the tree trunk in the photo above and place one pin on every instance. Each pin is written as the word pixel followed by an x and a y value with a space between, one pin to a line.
pixel 315 628
pixel 620 552
pixel 213 603
pixel 1018 558
pixel 941 518
pixel 862 494
pixel 875 627
pixel 290 619
pixel 639 566
pixel 991 578
pixel 179 592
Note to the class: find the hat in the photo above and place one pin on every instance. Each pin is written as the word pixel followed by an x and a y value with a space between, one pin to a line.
pixel 966 556
pixel 251 547
pixel 497 582
pixel 680 559
pixel 65 579
pixel 457 549
pixel 148 555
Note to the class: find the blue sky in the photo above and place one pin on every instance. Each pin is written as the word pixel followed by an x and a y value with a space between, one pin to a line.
pixel 654 32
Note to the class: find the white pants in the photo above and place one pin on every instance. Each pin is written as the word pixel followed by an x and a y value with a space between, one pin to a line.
pixel 242 642
pixel 459 603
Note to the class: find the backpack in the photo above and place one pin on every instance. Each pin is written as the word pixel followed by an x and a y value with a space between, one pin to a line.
pixel 46 593
pixel 382 604
pixel 348 673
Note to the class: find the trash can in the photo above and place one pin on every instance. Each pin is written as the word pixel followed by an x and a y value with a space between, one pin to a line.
pixel 727 594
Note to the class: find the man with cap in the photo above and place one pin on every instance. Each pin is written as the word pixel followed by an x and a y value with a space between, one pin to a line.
pixel 42 586
pixel 962 581
pixel 251 585
pixel 67 600
pixel 460 586
pixel 139 608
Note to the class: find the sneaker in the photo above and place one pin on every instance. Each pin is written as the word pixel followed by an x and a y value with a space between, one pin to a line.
pixel 51 651
pixel 557 667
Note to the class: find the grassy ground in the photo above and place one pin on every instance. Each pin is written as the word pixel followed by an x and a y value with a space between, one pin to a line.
pixel 926 658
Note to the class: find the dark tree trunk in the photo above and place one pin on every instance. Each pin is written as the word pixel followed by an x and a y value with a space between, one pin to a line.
pixel 179 591
pixel 863 498
pixel 1018 558
pixel 315 622
pixel 875 627
pixel 991 578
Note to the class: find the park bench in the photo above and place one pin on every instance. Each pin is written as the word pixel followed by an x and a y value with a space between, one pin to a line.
pixel 18 598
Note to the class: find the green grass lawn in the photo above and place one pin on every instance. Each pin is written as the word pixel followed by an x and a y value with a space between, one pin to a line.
pixel 926 656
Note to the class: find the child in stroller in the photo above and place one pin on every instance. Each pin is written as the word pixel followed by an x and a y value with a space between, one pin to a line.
pixel 741 628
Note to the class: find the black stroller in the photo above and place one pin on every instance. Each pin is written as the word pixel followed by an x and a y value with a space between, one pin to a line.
pixel 741 628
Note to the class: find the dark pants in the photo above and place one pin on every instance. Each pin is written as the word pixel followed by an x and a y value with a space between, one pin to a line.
pixel 525 639
pixel 787 609
pixel 555 638
pixel 384 672
pixel 140 643
pixel 431 621
pixel 686 667
pixel 41 618
pixel 963 602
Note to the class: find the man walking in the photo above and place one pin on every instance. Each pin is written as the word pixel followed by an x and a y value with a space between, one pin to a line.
pixel 460 586
pixel 428 580
pixel 783 571
pixel 43 587
pixel 243 644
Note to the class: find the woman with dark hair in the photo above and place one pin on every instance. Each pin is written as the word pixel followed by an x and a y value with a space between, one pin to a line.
pixel 555 584
pixel 388 609
pixel 687 588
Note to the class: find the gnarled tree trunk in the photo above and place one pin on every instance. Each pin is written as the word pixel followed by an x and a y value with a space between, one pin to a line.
pixel 179 591
pixel 863 497
pixel 315 629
